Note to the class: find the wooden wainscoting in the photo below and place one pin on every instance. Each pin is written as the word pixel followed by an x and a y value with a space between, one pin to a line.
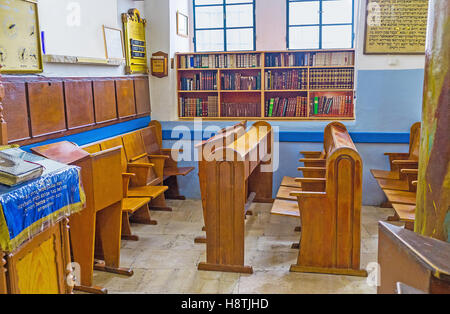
pixel 42 108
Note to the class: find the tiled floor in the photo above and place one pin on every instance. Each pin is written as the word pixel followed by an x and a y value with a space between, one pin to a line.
pixel 165 259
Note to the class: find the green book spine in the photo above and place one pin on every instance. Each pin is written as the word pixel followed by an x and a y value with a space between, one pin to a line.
pixel 271 107
pixel 316 105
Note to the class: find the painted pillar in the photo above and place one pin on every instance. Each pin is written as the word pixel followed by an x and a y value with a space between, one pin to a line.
pixel 433 195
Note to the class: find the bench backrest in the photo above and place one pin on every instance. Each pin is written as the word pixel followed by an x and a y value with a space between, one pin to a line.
pixel 414 146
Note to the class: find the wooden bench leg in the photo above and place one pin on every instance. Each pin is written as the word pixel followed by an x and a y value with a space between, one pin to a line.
pixel 394 218
pixel 200 240
pixel 386 205
pixel 173 193
pixel 126 228
pixel 298 229
pixel 159 204
pixel 409 225
pixel 142 216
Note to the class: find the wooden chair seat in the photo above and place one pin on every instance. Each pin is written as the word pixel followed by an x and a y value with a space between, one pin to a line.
pixel 384 174
pixel 131 205
pixel 285 208
pixel 184 171
pixel 147 191
pixel 401 197
pixel 397 185
pixel 406 213
pixel 284 193
pixel 290 182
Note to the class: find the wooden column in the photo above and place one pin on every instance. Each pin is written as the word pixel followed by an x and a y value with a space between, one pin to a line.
pixel 3 130
pixel 433 196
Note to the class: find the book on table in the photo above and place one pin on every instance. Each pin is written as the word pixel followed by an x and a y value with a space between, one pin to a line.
pixel 17 167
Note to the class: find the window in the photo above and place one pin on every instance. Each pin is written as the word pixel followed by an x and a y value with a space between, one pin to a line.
pixel 320 24
pixel 224 25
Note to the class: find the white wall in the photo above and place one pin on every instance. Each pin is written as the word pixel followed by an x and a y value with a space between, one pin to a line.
pixel 47 12
pixel 163 37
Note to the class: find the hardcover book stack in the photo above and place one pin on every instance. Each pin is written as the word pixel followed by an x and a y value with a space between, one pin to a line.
pixel 287 107
pixel 344 58
pixel 286 80
pixel 219 61
pixel 200 81
pixel 287 59
pixel 332 78
pixel 234 110
pixel 336 106
pixel 237 81
pixel 200 107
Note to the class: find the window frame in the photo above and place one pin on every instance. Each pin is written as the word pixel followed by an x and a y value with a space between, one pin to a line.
pixel 224 28
pixel 320 25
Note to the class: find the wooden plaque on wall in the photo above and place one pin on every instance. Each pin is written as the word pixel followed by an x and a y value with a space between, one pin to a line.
pixel 396 26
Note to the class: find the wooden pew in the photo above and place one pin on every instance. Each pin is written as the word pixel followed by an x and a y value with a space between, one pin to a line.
pixel 235 179
pixel 135 207
pixel 223 138
pixel 136 153
pixel 400 161
pixel 96 231
pixel 407 257
pixel 330 211
pixel 171 169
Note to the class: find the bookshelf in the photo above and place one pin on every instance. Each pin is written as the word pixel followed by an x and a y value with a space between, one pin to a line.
pixel 269 85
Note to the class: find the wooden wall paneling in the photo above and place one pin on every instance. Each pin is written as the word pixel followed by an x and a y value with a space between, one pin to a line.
pixel 79 103
pixel 46 102
pixel 126 104
pixel 142 91
pixel 16 111
pixel 104 100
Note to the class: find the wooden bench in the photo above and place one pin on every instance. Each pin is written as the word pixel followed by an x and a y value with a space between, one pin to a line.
pixel 223 138
pixel 330 211
pixel 400 161
pixel 95 233
pixel 142 181
pixel 235 177
pixel 407 257
pixel 314 173
pixel 153 143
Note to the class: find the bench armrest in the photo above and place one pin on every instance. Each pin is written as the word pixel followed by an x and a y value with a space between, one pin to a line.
pixel 172 162
pixel 399 155
pixel 311 154
pixel 313 184
pixel 400 163
pixel 126 178
pixel 314 162
pixel 313 172
pixel 309 194
pixel 410 171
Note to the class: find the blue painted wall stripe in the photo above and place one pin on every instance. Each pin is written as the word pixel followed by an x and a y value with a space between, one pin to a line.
pixel 98 134
pixel 317 137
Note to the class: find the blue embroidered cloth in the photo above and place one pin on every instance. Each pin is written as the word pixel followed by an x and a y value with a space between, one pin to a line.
pixel 27 209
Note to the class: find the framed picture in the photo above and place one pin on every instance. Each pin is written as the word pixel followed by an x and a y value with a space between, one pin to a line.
pixel 20 37
pixel 182 25
pixel 113 43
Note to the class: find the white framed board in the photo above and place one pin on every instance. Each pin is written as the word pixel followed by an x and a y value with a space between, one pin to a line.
pixel 113 43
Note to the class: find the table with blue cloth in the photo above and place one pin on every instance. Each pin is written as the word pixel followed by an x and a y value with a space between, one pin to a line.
pixel 26 209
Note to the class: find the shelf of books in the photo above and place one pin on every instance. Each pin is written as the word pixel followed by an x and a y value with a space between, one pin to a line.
pixel 270 85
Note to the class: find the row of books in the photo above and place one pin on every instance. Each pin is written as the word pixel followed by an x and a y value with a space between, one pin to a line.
pixel 200 107
pixel 287 107
pixel 287 59
pixel 332 79
pixel 344 58
pixel 293 80
pixel 290 59
pixel 237 81
pixel 338 106
pixel 219 61
pixel 200 81
pixel 237 110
